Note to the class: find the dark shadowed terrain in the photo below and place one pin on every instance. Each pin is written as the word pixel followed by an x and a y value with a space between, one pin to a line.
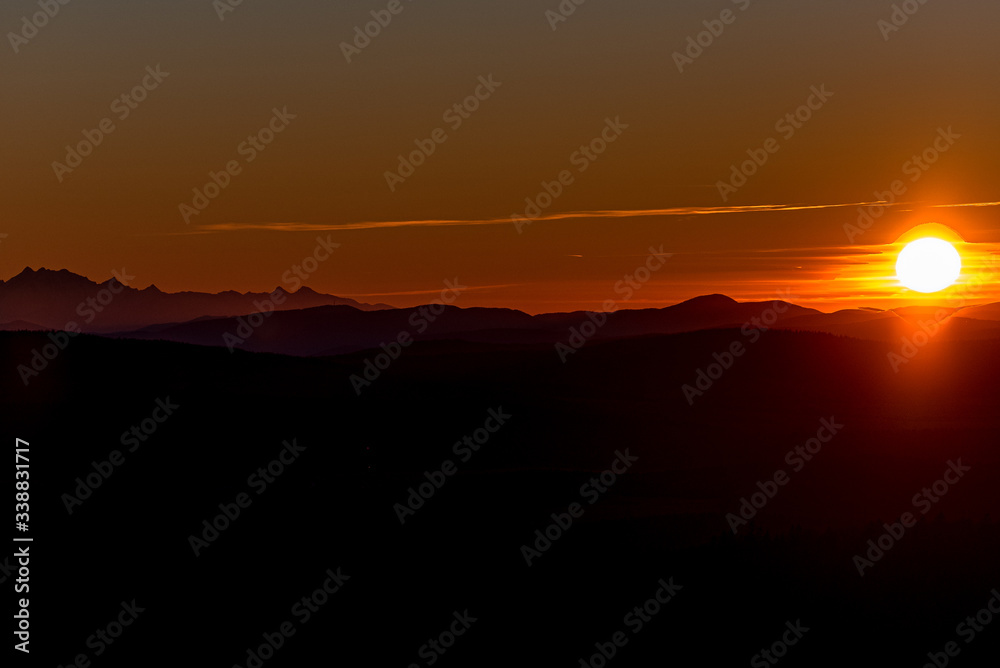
pixel 664 517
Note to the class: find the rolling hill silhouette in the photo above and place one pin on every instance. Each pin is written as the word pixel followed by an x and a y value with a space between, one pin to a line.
pixel 310 324
pixel 708 428
pixel 338 329
pixel 332 330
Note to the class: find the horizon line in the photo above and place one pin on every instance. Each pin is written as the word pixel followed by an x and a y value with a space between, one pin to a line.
pixel 633 305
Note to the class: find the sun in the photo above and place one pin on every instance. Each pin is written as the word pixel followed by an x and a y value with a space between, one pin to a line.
pixel 928 265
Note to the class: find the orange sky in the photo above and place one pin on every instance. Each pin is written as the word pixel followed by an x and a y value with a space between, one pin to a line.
pixel 678 134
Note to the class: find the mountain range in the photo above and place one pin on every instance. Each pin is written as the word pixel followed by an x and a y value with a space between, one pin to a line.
pixel 308 323
pixel 700 458
pixel 49 299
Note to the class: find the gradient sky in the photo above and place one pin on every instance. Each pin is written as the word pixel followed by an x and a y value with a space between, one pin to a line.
pixel 324 174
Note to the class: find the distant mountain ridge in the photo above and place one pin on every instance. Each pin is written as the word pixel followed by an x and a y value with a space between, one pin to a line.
pixel 308 323
pixel 51 299
pixel 335 330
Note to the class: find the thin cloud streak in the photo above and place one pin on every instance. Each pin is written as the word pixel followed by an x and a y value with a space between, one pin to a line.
pixel 950 206
pixel 570 215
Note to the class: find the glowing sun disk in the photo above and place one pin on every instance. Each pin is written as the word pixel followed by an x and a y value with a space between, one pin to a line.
pixel 928 265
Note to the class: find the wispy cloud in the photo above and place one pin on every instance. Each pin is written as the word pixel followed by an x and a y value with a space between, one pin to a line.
pixel 216 228
pixel 468 222
pixel 948 206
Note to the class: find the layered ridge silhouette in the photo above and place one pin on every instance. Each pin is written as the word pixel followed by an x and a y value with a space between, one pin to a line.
pixel 308 323
pixel 49 299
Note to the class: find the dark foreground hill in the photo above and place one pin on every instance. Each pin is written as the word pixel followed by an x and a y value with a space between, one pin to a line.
pixel 691 457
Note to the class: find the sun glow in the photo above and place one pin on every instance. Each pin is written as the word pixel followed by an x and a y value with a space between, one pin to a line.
pixel 928 265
